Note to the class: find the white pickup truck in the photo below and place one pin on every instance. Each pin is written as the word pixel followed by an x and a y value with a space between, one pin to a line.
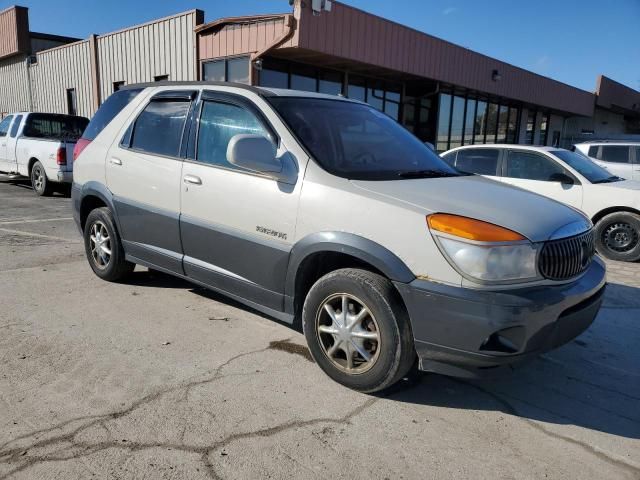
pixel 40 146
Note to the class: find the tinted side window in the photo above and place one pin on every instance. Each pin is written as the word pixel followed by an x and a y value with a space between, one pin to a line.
pixel 4 125
pixel 158 129
pixel 219 122
pixel 593 151
pixel 54 126
pixel 637 161
pixel 615 153
pixel 108 110
pixel 482 161
pixel 16 126
pixel 531 166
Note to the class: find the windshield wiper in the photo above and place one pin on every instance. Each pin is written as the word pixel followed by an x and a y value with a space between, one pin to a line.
pixel 610 179
pixel 426 174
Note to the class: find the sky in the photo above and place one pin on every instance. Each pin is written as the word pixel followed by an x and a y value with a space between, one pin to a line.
pixel 572 41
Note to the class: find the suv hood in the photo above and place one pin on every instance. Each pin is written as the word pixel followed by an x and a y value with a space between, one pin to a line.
pixel 536 217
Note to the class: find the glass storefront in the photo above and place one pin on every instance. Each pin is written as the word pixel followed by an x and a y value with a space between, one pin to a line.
pixel 468 121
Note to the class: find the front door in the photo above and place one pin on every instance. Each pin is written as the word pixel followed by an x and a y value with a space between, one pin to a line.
pixel 143 173
pixel 541 174
pixel 636 163
pixel 12 143
pixel 237 227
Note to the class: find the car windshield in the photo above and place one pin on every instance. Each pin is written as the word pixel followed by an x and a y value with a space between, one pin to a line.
pixel 588 169
pixel 355 141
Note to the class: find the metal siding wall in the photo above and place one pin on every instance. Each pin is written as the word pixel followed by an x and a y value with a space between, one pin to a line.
pixel 165 47
pixel 58 70
pixel 14 85
pixel 240 39
pixel 14 31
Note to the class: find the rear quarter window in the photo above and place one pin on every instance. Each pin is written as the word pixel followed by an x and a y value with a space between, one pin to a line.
pixel 593 151
pixel 481 161
pixel 158 129
pixel 54 126
pixel 108 111
pixel 615 153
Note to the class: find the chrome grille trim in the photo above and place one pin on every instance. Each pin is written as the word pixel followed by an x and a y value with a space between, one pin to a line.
pixel 566 258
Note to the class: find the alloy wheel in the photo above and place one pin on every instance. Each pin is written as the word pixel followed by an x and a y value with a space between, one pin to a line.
pixel 348 333
pixel 100 244
pixel 38 178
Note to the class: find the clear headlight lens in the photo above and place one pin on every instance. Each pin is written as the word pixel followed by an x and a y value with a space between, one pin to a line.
pixel 492 263
pixel 484 251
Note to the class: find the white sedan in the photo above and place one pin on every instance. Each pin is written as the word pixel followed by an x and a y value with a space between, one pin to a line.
pixel 612 203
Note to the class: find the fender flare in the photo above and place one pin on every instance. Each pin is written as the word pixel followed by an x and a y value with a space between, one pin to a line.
pixel 99 190
pixel 351 244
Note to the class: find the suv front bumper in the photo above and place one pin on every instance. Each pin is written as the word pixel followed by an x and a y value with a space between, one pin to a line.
pixel 466 333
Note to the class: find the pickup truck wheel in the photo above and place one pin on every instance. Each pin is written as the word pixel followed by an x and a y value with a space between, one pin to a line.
pixel 618 236
pixel 103 246
pixel 357 330
pixel 39 181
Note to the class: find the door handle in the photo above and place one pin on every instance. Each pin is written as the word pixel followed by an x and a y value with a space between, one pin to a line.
pixel 192 179
pixel 116 161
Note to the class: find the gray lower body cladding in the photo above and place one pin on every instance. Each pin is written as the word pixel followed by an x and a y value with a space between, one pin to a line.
pixel 463 332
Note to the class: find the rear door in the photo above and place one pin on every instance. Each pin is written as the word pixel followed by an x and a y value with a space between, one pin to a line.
pixel 237 226
pixel 541 174
pixel 143 173
pixel 616 159
pixel 5 127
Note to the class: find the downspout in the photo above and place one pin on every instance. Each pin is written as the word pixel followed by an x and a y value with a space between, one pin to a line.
pixel 290 28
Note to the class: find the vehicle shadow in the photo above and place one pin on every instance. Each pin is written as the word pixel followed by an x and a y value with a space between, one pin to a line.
pixel 592 382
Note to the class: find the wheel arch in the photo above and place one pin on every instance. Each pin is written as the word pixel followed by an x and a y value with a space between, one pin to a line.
pixel 30 164
pixel 95 195
pixel 603 213
pixel 320 253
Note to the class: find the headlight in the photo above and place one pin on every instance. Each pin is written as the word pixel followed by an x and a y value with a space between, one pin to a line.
pixel 482 251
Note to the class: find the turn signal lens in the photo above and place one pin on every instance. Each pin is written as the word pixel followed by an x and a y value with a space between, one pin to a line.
pixel 471 229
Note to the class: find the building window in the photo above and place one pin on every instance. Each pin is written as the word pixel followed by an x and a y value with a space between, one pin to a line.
pixel 481 122
pixel 503 124
pixel 357 89
pixel 117 86
pixel 531 127
pixel 274 78
pixel 512 125
pixel 160 78
pixel 71 101
pixel 457 122
pixel 544 129
pixel 444 123
pixel 227 70
pixel 492 123
pixel 469 118
pixel 330 83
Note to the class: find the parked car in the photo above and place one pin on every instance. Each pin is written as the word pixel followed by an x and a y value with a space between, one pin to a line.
pixel 620 158
pixel 611 202
pixel 321 210
pixel 40 146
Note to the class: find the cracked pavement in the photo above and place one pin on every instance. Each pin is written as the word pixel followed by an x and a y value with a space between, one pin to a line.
pixel 156 378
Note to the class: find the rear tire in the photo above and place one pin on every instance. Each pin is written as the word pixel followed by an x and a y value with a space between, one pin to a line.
pixel 39 181
pixel 103 246
pixel 618 236
pixel 372 348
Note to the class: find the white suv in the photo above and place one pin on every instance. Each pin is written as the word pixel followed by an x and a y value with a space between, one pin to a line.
pixel 620 158
pixel 611 202
pixel 321 210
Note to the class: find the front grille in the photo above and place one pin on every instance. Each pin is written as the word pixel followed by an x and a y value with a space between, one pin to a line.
pixel 566 258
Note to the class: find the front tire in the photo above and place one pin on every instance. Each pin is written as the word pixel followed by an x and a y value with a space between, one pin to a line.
pixel 39 181
pixel 103 246
pixel 357 330
pixel 618 236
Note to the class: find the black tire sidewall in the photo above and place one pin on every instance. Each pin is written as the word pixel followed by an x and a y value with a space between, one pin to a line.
pixel 382 309
pixel 113 270
pixel 626 217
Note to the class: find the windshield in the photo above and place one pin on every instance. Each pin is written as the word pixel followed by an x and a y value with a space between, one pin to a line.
pixel 55 127
pixel 358 142
pixel 588 169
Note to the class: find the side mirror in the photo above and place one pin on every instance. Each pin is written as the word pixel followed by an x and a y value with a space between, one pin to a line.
pixel 561 178
pixel 258 154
